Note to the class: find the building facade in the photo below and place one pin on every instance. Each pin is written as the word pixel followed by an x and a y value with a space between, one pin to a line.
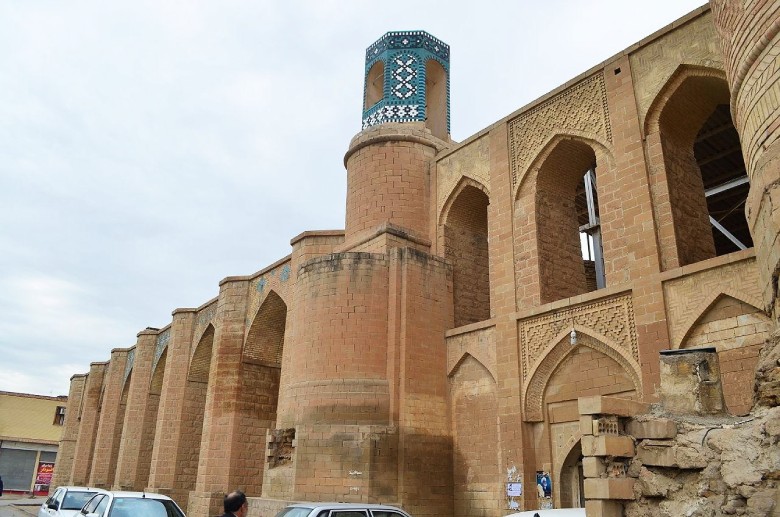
pixel 30 431
pixel 432 353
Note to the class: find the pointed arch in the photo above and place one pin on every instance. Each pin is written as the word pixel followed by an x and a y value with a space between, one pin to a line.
pixel 265 339
pixel 471 355
pixel 463 182
pixel 464 228
pixel 475 435
pixel 600 148
pixel 156 383
pixel 556 352
pixel 683 73
pixel 556 208
pixel 436 93
pixel 200 362
pixel 567 474
pixel 697 171
pixel 710 301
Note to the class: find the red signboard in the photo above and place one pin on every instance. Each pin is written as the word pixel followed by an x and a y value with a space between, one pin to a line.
pixel 44 474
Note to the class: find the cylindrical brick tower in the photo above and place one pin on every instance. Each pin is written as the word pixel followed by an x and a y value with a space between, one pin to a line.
pixel 750 36
pixel 361 412
pixel 750 39
pixel 405 122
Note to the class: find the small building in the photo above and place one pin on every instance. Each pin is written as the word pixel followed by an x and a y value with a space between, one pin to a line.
pixel 30 430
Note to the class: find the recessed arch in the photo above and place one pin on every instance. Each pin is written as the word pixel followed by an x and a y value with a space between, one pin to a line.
pixel 462 183
pixel 601 148
pixel 568 475
pixel 200 363
pixel 561 208
pixel 464 228
pixel 475 435
pixel 675 82
pixel 555 353
pixel 469 356
pixel 156 384
pixel 265 339
pixel 697 170
pixel 709 301
pixel 436 99
pixel 375 84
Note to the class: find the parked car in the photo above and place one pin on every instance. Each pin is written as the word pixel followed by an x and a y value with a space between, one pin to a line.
pixel 66 501
pixel 341 510
pixel 131 504
pixel 562 512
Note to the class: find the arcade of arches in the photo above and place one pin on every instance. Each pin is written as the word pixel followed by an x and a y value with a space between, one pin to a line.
pixel 433 353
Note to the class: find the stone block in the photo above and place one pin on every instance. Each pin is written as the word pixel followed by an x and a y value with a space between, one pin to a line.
pixel 586 425
pixel 663 453
pixel 598 405
pixel 609 488
pixel 600 508
pixel 656 429
pixel 608 445
pixel 593 466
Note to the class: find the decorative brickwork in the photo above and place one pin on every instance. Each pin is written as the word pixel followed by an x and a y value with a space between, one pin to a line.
pixel 535 385
pixel 581 109
pixel 612 318
pixel 652 65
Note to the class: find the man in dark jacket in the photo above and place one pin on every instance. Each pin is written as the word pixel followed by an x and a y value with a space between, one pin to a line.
pixel 235 504
pixel 1 486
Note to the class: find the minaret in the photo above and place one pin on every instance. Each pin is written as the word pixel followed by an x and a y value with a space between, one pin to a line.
pixel 362 412
pixel 405 122
pixel 407 79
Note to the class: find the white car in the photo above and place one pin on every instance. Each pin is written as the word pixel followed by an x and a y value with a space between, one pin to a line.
pixel 66 501
pixel 562 512
pixel 131 504
pixel 341 510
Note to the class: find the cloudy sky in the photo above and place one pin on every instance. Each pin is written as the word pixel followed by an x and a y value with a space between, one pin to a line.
pixel 149 149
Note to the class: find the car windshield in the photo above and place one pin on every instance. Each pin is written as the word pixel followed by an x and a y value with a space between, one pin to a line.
pixel 75 500
pixel 143 507
pixel 294 512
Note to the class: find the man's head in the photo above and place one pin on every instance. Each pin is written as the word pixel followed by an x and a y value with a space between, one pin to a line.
pixel 235 503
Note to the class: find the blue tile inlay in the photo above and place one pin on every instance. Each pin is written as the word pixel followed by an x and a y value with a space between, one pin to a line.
pixel 405 55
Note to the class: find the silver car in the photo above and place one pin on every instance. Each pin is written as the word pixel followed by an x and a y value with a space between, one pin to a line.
pixel 341 510
pixel 66 501
pixel 131 504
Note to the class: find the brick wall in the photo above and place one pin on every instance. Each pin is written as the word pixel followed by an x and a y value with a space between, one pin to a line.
pixel 90 413
pixel 738 331
pixel 388 179
pixel 477 483
pixel 466 247
pixel 70 432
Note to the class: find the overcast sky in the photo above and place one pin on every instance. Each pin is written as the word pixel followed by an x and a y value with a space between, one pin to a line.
pixel 149 149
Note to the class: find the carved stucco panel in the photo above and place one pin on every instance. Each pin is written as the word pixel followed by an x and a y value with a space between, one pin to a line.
pixel 612 318
pixel 580 109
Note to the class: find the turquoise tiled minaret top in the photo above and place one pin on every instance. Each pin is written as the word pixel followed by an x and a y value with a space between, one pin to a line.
pixel 405 55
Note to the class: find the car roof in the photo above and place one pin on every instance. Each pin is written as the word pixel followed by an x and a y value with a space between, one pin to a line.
pixel 83 489
pixel 141 495
pixel 371 506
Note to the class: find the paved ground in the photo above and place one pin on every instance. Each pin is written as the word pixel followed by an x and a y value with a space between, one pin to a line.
pixel 12 505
